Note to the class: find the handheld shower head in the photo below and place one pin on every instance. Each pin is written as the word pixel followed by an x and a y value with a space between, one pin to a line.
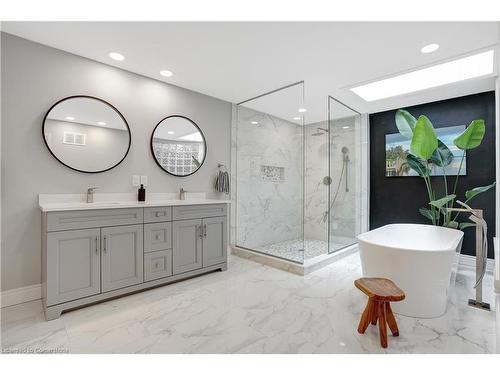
pixel 345 152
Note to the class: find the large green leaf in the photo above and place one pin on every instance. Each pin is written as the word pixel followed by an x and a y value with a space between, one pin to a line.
pixel 466 225
pixel 442 156
pixel 405 123
pixel 452 224
pixel 429 214
pixel 469 194
pixel 424 141
pixel 443 201
pixel 417 165
pixel 471 137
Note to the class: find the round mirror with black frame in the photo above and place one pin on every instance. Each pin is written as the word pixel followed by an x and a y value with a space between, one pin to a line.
pixel 86 134
pixel 178 146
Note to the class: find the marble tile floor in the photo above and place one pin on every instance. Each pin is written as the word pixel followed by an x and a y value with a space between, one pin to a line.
pixel 250 308
pixel 294 249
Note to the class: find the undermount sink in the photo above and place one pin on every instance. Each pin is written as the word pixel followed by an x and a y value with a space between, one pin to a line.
pixel 104 203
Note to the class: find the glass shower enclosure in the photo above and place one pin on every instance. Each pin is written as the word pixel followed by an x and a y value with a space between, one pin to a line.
pixel 296 175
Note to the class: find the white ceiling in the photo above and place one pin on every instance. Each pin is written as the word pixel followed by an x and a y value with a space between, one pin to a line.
pixel 237 60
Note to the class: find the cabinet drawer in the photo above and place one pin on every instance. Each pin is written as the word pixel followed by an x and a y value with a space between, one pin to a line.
pixel 199 211
pixel 157 264
pixel 157 236
pixel 65 220
pixel 157 214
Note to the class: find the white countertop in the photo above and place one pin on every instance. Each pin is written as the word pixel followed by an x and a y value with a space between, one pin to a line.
pixel 70 202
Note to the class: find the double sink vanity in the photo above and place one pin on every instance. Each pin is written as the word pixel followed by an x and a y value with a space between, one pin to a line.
pixel 112 247
pixel 103 246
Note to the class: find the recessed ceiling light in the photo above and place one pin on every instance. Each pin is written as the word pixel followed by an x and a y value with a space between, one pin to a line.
pixel 345 127
pixel 302 110
pixel 430 48
pixel 102 123
pixel 473 66
pixel 166 73
pixel 69 118
pixel 254 123
pixel 297 118
pixel 171 132
pixel 116 56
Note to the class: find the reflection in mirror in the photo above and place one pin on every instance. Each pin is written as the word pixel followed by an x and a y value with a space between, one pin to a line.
pixel 178 145
pixel 86 134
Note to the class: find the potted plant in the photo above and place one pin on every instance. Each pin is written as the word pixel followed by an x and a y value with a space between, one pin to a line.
pixel 426 150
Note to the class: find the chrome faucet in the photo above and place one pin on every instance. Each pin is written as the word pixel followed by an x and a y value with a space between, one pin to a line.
pixel 90 194
pixel 182 194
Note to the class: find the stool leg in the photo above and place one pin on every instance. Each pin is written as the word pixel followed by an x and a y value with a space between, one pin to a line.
pixel 365 318
pixel 374 316
pixel 391 321
pixel 381 325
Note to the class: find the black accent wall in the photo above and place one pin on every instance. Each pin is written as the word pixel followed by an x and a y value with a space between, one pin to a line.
pixel 397 199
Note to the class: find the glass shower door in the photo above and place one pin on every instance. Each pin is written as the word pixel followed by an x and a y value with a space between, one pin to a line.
pixel 269 174
pixel 344 216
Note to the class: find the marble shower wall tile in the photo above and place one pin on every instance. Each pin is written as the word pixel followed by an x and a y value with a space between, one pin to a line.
pixel 268 211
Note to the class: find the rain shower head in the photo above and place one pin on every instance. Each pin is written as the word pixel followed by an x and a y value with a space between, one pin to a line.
pixel 345 150
pixel 321 131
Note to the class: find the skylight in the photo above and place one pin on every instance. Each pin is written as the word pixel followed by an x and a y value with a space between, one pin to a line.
pixel 474 66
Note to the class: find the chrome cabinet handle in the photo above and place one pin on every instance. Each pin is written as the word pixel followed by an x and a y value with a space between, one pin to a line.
pixel 204 230
pixel 157 237
pixel 104 244
pixel 96 245
pixel 200 229
pixel 160 213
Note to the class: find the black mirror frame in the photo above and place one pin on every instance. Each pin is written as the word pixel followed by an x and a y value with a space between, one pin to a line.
pixel 103 101
pixel 202 136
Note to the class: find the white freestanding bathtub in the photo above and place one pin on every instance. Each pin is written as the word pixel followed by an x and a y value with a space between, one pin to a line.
pixel 418 258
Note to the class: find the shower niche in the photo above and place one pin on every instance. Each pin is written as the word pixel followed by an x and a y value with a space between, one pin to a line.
pixel 272 174
pixel 297 182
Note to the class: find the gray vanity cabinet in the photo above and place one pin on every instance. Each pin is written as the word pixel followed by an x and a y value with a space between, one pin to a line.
pixel 121 256
pixel 90 255
pixel 187 245
pixel 199 243
pixel 73 265
pixel 214 240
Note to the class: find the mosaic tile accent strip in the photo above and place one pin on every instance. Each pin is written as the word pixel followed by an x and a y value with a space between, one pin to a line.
pixel 294 249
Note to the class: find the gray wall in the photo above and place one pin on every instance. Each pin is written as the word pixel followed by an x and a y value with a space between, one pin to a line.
pixel 33 78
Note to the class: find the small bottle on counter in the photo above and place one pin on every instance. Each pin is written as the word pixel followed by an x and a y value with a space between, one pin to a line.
pixel 141 194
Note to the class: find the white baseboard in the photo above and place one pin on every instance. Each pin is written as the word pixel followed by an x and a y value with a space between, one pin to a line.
pixel 21 295
pixel 470 261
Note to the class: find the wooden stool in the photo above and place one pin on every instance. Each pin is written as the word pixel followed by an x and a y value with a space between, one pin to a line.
pixel 380 292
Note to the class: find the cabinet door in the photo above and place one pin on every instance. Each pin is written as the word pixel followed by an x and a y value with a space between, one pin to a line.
pixel 73 265
pixel 122 256
pixel 187 244
pixel 214 241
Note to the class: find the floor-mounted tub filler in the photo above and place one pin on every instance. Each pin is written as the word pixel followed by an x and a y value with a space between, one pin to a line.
pixel 418 258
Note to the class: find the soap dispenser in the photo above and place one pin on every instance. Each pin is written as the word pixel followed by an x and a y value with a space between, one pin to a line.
pixel 141 194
